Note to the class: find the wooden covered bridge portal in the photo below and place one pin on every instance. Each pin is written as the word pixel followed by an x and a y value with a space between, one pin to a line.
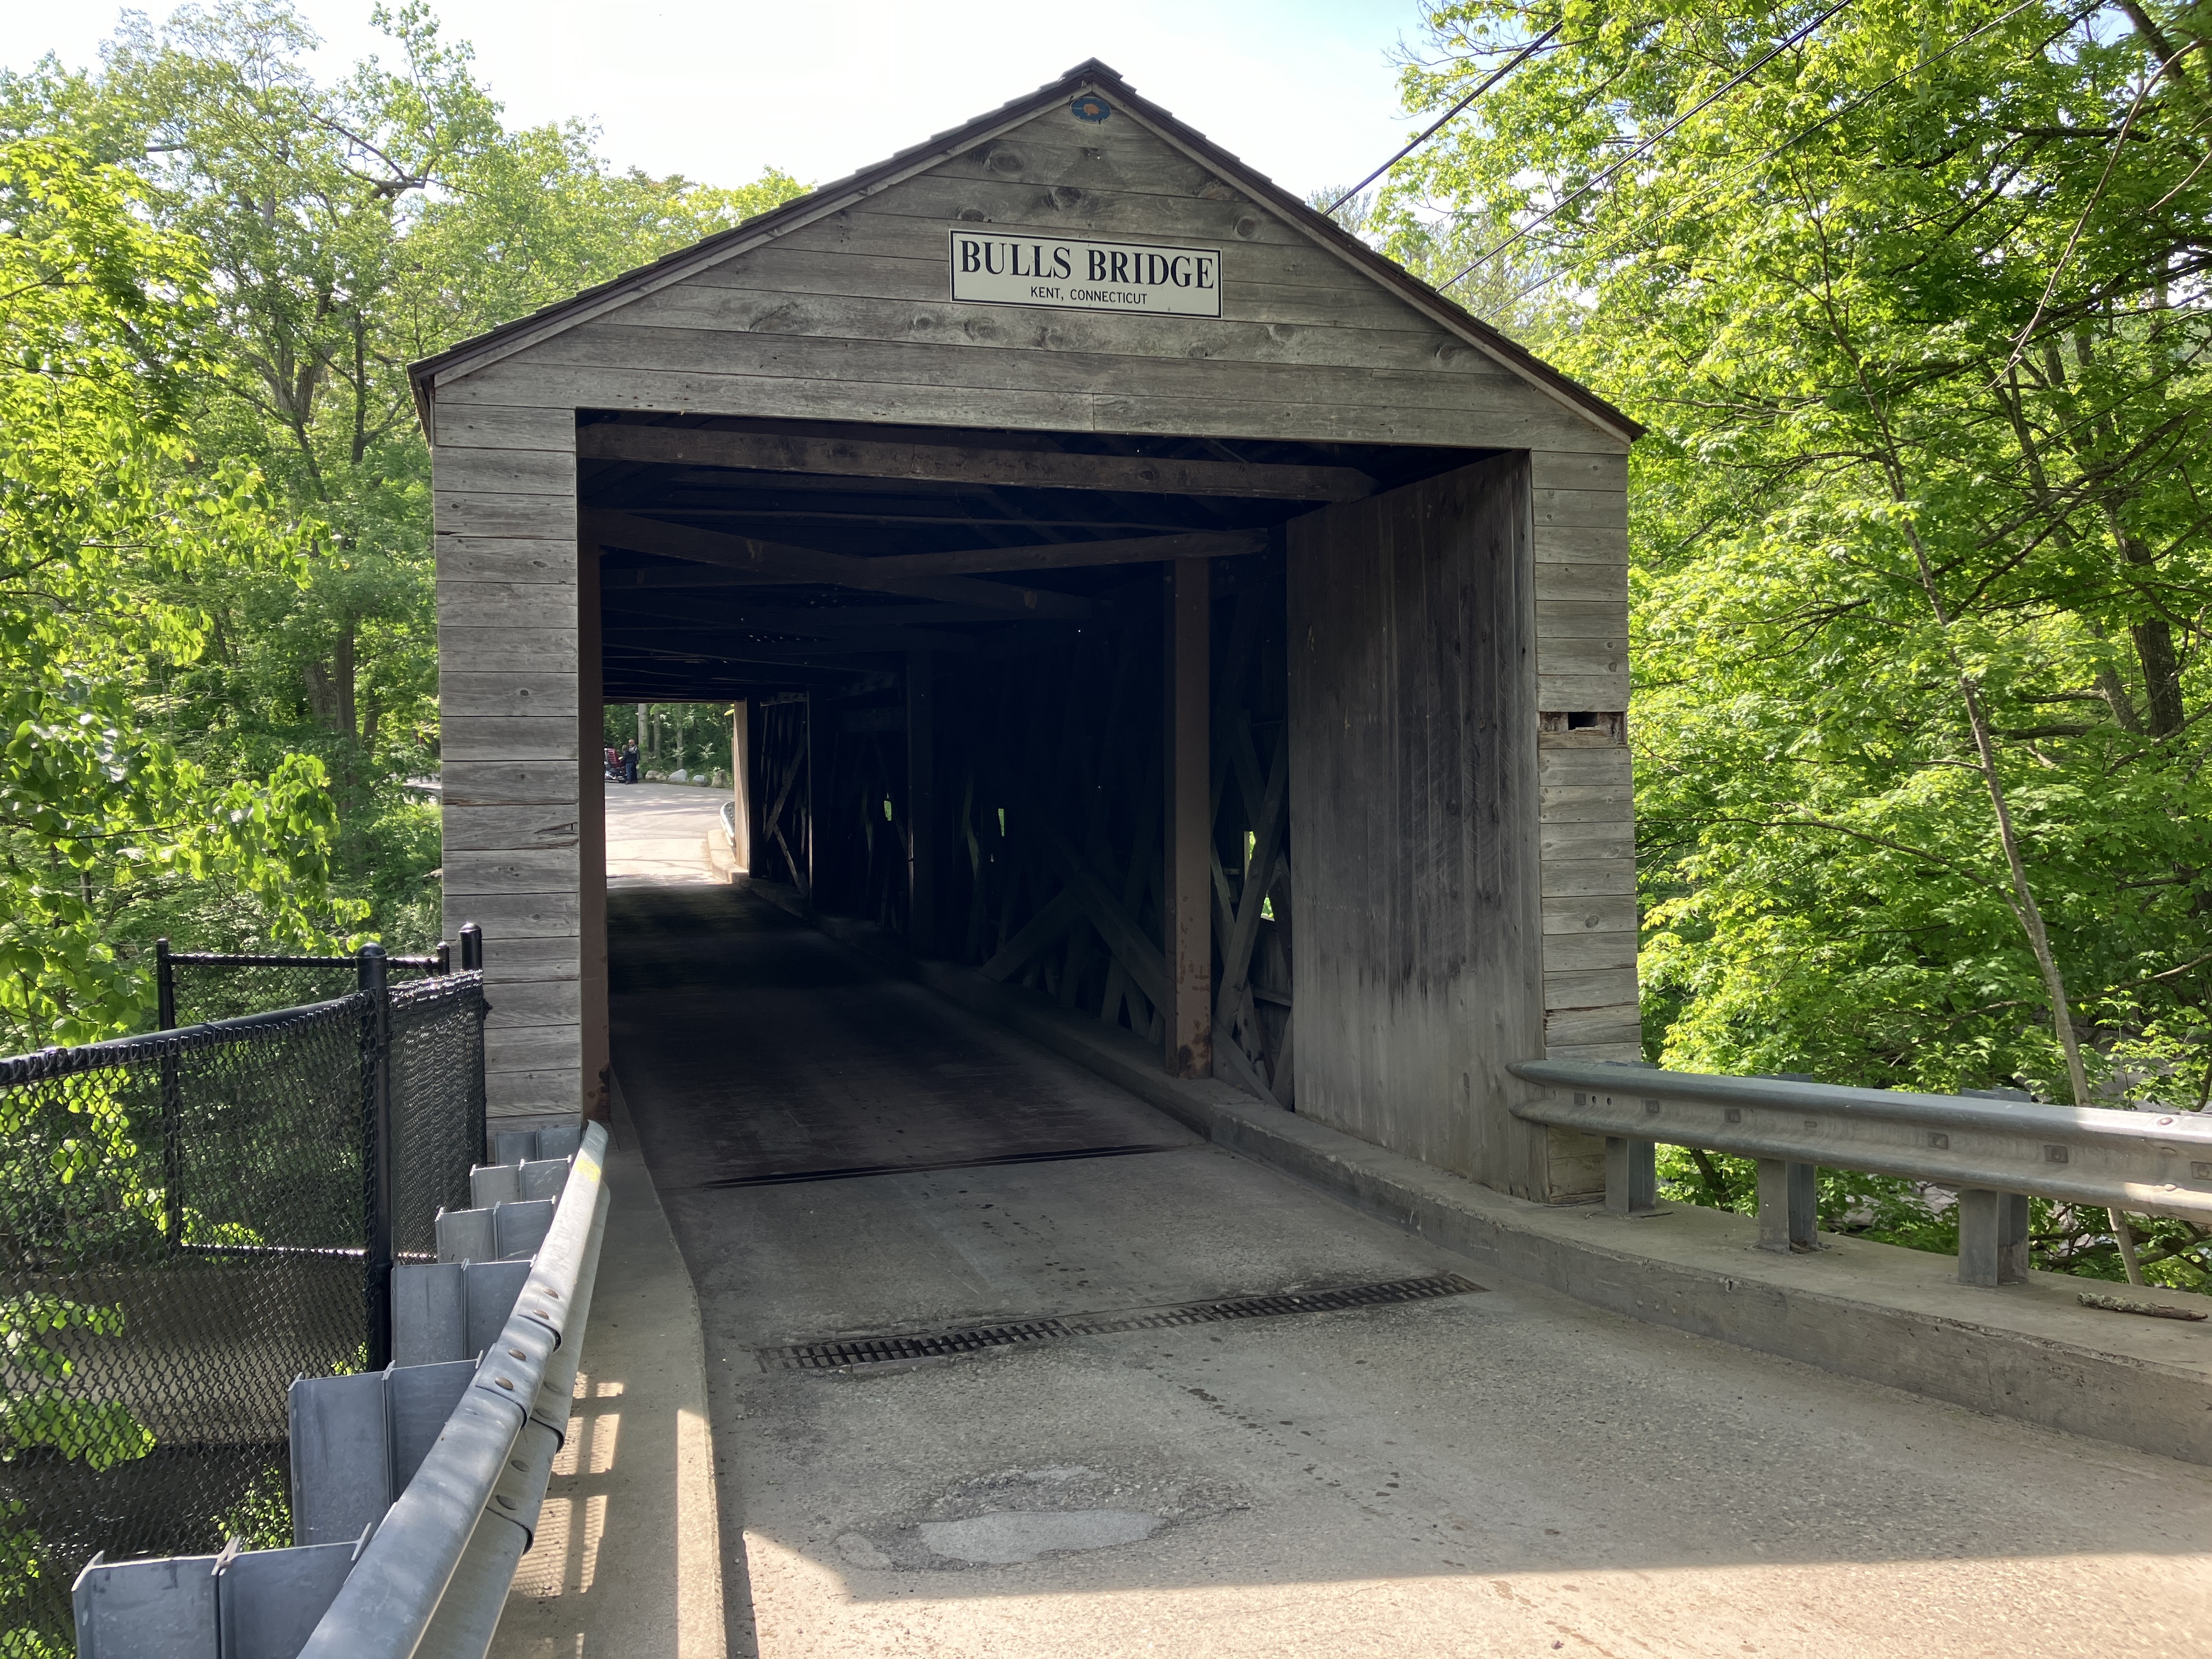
pixel 1128 584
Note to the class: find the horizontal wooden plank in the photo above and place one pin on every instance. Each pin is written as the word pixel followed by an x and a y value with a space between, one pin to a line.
pixel 478 513
pixel 1580 878
pixel 496 738
pixel 533 1047
pixel 506 559
pixel 1577 656
pixel 509 828
pixel 535 1002
pixel 1583 582
pixel 1032 154
pixel 531 1097
pixel 464 650
pixel 689 392
pixel 1621 1023
pixel 1410 342
pixel 471 873
pixel 781 268
pixel 1586 840
pixel 506 427
pixel 1591 768
pixel 1580 470
pixel 515 958
pixel 1034 469
pixel 1597 693
pixel 1582 544
pixel 513 605
pixel 1581 952
pixel 1591 913
pixel 497 693
pixel 922 210
pixel 1610 803
pixel 509 783
pixel 621 345
pixel 780 563
pixel 1565 619
pixel 505 472
pixel 1067 556
pixel 1600 987
pixel 1596 1054
pixel 507 915
pixel 1593 508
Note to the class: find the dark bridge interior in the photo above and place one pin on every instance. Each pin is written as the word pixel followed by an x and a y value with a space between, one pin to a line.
pixel 948 649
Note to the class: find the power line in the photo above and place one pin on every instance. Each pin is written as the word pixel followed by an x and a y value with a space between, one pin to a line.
pixel 1505 70
pixel 1730 85
pixel 1856 104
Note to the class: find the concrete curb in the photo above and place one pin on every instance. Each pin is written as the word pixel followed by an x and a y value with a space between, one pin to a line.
pixel 631 1561
pixel 1872 1311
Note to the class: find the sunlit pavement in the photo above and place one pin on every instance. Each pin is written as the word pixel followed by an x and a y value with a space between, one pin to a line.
pixel 656 832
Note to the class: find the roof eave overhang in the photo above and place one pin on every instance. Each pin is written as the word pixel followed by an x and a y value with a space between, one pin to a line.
pixel 472 355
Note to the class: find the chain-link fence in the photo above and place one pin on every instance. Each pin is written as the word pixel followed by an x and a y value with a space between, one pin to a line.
pixel 188 1221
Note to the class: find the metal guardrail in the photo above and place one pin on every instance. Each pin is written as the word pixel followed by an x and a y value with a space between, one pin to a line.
pixel 1995 1154
pixel 460 1448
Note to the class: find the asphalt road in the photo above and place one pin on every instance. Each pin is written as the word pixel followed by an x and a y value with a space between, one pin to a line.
pixel 841 1155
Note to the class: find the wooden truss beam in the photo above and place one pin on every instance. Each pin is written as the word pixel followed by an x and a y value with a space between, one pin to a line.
pixel 1048 556
pixel 960 464
pixel 776 561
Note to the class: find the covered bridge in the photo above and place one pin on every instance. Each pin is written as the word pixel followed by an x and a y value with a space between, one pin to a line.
pixel 1128 583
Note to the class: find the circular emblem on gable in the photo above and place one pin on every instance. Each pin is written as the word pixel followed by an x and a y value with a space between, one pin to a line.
pixel 1089 107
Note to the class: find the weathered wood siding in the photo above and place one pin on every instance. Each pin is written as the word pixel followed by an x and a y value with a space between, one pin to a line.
pixel 514 695
pixel 1413 809
pixel 846 317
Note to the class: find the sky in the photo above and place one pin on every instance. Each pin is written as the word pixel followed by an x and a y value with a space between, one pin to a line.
pixel 1304 90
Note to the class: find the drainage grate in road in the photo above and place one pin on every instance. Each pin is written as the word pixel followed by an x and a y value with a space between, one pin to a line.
pixel 931 1345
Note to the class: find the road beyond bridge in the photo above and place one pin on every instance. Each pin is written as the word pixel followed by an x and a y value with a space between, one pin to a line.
pixel 843 1155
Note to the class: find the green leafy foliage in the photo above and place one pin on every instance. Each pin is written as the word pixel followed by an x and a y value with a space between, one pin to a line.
pixel 1917 310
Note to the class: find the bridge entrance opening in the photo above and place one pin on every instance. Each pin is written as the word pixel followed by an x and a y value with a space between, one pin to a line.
pixel 974 675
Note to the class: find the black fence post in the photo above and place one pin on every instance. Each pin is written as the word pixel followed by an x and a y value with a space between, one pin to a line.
pixel 377 1159
pixel 473 963
pixel 173 1102
pixel 445 959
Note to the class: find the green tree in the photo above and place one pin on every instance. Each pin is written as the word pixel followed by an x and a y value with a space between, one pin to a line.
pixel 1913 296
pixel 105 510
pixel 348 227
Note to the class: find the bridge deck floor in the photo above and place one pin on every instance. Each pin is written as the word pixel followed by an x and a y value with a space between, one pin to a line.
pixel 1501 1473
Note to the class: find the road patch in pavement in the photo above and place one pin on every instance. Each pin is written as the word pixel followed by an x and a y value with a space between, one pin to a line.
pixel 840 1354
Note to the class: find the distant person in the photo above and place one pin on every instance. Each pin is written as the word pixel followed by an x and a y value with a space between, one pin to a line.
pixel 629 762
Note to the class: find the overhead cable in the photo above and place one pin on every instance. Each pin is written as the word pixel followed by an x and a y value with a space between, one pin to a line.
pixel 1726 87
pixel 1503 70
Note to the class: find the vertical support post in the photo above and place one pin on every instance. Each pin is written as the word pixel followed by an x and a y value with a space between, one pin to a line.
pixel 1992 1237
pixel 173 1102
pixel 1789 1206
pixel 1631 1176
pixel 813 755
pixel 920 805
pixel 472 948
pixel 741 785
pixel 444 964
pixel 377 1162
pixel 1189 918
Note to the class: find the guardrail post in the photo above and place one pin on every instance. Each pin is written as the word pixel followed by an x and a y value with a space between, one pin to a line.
pixel 173 1101
pixel 1789 1206
pixel 1992 1237
pixel 377 1161
pixel 1631 1176
pixel 472 948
